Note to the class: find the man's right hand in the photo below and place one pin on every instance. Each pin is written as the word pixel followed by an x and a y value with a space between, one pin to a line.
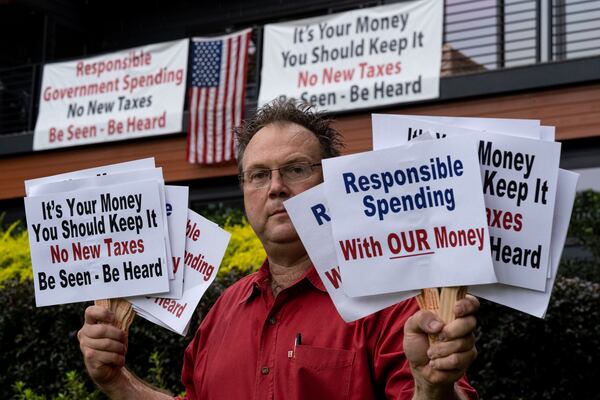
pixel 103 346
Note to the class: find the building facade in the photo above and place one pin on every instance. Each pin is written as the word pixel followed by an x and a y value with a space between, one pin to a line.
pixel 508 59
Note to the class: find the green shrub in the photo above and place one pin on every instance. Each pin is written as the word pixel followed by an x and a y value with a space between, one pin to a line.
pixel 75 388
pixel 156 373
pixel 245 252
pixel 585 221
pixel 584 231
pixel 22 392
pixel 523 357
pixel 15 261
pixel 585 269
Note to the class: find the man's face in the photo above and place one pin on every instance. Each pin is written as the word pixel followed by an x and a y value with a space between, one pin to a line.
pixel 273 146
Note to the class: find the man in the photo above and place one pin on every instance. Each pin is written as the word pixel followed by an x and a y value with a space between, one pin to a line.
pixel 276 334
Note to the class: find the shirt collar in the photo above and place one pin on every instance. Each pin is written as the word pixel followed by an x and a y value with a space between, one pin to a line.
pixel 261 280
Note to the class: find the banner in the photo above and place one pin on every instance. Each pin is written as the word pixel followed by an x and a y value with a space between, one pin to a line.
pixel 124 95
pixel 357 59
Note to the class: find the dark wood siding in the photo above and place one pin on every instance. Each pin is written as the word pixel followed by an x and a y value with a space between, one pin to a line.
pixel 575 111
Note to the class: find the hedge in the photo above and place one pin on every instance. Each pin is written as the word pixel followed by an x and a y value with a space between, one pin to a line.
pixel 40 347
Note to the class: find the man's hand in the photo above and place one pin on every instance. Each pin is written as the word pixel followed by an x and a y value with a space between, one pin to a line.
pixel 437 367
pixel 103 346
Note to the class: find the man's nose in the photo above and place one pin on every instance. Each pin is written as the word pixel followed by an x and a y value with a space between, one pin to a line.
pixel 277 186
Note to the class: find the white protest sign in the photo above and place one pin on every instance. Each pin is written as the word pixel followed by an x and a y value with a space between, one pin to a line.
pixel 177 210
pixel 123 95
pixel 547 133
pixel 390 130
pixel 79 180
pixel 144 163
pixel 409 217
pixel 532 301
pixel 204 249
pixel 529 128
pixel 519 183
pixel 98 243
pixel 308 212
pixel 356 59
pixel 154 320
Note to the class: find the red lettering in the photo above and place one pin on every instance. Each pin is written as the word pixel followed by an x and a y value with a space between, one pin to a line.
pixel 176 261
pixel 504 219
pixel 192 231
pixel 334 277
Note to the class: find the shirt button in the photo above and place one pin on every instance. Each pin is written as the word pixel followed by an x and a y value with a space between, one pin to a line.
pixel 264 370
pixel 272 320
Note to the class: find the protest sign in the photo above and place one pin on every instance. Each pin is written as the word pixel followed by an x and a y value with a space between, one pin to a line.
pixel 154 320
pixel 144 163
pixel 123 95
pixel 409 217
pixel 519 183
pixel 308 212
pixel 97 243
pixel 79 180
pixel 177 210
pixel 532 301
pixel 356 59
pixel 528 128
pixel 205 246
pixel 390 130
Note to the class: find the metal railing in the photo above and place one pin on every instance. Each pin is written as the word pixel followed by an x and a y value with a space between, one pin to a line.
pixel 18 99
pixel 479 36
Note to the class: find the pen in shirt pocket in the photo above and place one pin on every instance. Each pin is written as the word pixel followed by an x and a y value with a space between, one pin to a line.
pixel 297 341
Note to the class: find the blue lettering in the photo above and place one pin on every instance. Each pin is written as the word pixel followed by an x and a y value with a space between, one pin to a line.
pixel 319 213
pixel 349 183
pixel 369 207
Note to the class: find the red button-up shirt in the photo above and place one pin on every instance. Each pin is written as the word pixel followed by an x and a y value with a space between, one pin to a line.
pixel 245 347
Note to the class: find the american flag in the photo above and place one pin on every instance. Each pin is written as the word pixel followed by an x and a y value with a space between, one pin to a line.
pixel 216 96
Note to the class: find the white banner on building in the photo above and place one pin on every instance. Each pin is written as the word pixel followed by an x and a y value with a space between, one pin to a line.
pixel 357 59
pixel 124 95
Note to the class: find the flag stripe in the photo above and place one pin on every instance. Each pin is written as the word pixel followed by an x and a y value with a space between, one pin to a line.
pixel 190 138
pixel 214 108
pixel 223 104
pixel 200 127
pixel 234 97
pixel 220 127
pixel 229 123
pixel 205 120
pixel 242 80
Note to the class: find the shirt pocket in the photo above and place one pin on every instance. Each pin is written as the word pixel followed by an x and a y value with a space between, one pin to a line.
pixel 322 373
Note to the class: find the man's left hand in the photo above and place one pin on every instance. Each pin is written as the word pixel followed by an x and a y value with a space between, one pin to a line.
pixel 438 366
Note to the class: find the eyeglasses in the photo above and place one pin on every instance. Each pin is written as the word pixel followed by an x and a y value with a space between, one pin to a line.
pixel 290 173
